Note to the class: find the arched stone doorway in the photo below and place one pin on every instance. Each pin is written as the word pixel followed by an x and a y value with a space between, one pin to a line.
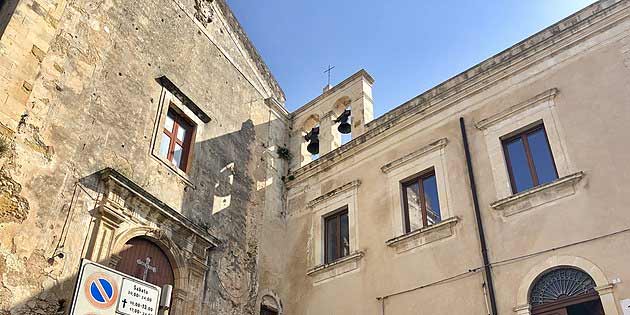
pixel 146 261
pixel 565 291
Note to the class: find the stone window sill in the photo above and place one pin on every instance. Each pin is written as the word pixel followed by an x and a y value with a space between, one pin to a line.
pixel 424 236
pixel 537 196
pixel 179 173
pixel 336 268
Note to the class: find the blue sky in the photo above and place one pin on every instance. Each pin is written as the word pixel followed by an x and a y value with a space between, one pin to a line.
pixel 408 46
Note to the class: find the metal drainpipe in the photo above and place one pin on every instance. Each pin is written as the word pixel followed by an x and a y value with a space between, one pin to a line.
pixel 382 300
pixel 482 236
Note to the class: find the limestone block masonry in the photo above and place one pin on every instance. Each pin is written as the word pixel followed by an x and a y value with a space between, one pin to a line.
pixel 86 168
pixel 80 98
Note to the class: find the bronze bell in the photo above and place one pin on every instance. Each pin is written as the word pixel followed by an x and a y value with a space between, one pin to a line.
pixel 313 138
pixel 344 127
pixel 313 147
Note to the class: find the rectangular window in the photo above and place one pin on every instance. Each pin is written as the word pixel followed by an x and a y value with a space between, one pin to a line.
pixel 176 139
pixel 421 204
pixel 529 159
pixel 336 236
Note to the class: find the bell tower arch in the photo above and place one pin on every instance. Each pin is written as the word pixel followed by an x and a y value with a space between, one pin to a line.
pixel 353 94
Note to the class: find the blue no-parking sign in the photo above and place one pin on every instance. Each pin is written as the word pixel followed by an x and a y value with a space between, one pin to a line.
pixel 102 290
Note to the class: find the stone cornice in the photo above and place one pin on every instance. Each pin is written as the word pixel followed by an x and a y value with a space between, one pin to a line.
pixel 331 194
pixel 250 48
pixel 435 145
pixel 561 36
pixel 278 108
pixel 557 37
pixel 111 175
pixel 171 87
pixel 352 257
pixel 548 95
pixel 559 183
pixel 359 74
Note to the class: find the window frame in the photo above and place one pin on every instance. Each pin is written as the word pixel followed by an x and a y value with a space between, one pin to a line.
pixel 179 120
pixel 417 179
pixel 335 215
pixel 523 135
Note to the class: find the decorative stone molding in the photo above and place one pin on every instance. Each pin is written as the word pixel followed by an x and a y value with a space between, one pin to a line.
pixel 331 194
pixel 432 156
pixel 538 110
pixel 128 211
pixel 345 196
pixel 537 196
pixel 436 145
pixel 604 288
pixel 138 198
pixel 337 268
pixel 424 236
pixel 277 107
pixel 114 260
pixel 183 98
pixel 546 96
pixel 523 309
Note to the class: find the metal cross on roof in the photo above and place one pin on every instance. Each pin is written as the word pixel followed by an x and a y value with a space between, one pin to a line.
pixel 329 70
pixel 146 263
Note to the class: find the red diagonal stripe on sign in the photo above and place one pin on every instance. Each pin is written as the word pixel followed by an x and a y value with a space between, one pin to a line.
pixel 101 290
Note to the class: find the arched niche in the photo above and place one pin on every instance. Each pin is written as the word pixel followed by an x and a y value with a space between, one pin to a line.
pixel 342 104
pixel 271 301
pixel 311 122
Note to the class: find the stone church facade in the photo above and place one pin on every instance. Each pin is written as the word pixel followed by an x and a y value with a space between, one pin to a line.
pixel 152 138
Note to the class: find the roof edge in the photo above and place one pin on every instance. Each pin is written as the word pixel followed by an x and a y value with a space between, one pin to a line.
pixel 251 49
pixel 359 74
pixel 503 57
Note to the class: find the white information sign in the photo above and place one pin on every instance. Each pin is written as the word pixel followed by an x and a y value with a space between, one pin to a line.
pixel 137 298
pixel 625 306
pixel 104 291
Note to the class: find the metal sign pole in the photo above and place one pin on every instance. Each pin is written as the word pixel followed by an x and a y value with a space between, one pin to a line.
pixel 165 299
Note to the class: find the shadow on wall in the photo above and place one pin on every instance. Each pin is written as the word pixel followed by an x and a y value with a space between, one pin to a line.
pixel 7 8
pixel 236 179
pixel 230 177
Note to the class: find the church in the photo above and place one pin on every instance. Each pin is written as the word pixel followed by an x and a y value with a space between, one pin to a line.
pixel 153 139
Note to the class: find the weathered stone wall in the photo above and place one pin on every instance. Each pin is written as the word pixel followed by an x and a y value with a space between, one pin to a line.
pixel 573 77
pixel 78 94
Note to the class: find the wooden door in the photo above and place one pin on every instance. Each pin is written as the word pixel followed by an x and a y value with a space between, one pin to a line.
pixel 146 261
pixel 584 304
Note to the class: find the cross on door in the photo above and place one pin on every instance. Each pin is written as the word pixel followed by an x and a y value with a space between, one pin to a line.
pixel 146 263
